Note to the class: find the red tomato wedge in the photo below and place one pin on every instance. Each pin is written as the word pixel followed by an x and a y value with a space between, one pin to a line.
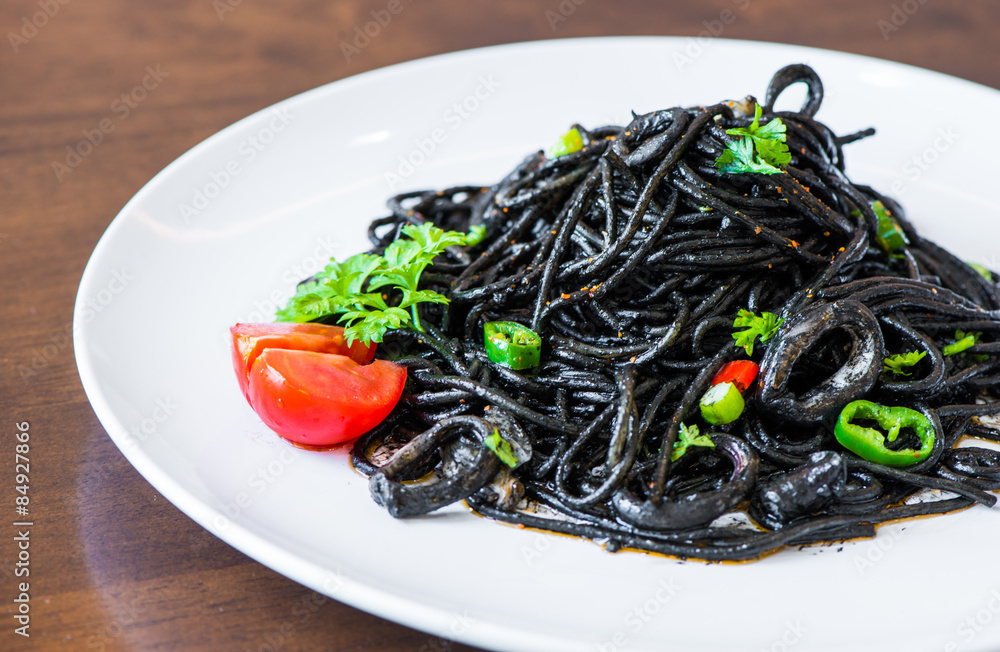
pixel 250 340
pixel 321 399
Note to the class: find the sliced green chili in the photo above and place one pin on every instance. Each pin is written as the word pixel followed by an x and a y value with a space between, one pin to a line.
pixel 983 271
pixel 512 345
pixel 869 443
pixel 962 342
pixel 722 404
pixel 890 236
pixel 501 448
pixel 569 142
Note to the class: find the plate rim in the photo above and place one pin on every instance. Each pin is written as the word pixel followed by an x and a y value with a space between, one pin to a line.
pixel 382 603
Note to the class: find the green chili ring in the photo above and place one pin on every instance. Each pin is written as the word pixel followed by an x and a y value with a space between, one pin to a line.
pixel 869 443
pixel 512 345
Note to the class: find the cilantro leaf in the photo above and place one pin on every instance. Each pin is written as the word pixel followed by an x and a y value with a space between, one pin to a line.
pixel 896 363
pixel 688 436
pixel 763 327
pixel 411 297
pixel 759 148
pixel 360 265
pixel 373 324
pixel 340 289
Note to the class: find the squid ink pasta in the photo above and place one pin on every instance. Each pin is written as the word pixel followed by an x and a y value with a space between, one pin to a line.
pixel 707 343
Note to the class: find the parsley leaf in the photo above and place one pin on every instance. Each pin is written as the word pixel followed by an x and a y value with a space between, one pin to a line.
pixel 759 148
pixel 688 436
pixel 763 327
pixel 895 363
pixel 340 289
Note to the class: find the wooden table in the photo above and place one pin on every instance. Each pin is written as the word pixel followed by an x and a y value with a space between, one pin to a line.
pixel 113 565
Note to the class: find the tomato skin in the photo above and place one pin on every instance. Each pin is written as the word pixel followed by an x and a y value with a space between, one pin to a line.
pixel 321 399
pixel 738 372
pixel 250 340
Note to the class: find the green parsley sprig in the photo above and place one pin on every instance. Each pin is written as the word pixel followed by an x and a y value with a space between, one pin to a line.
pixel 687 437
pixel 763 327
pixel 896 363
pixel 759 148
pixel 350 289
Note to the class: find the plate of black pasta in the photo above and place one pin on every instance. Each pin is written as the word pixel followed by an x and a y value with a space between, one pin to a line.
pixel 743 308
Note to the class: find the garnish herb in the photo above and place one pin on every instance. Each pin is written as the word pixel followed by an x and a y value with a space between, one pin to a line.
pixel 501 448
pixel 758 149
pixel 688 436
pixel 896 363
pixel 349 288
pixel 763 327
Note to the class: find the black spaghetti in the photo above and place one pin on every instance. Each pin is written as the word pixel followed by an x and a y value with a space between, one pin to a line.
pixel 632 257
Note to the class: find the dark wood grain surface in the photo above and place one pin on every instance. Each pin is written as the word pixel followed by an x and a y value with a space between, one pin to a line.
pixel 113 565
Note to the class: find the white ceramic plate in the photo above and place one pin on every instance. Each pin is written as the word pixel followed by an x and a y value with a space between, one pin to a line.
pixel 222 234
